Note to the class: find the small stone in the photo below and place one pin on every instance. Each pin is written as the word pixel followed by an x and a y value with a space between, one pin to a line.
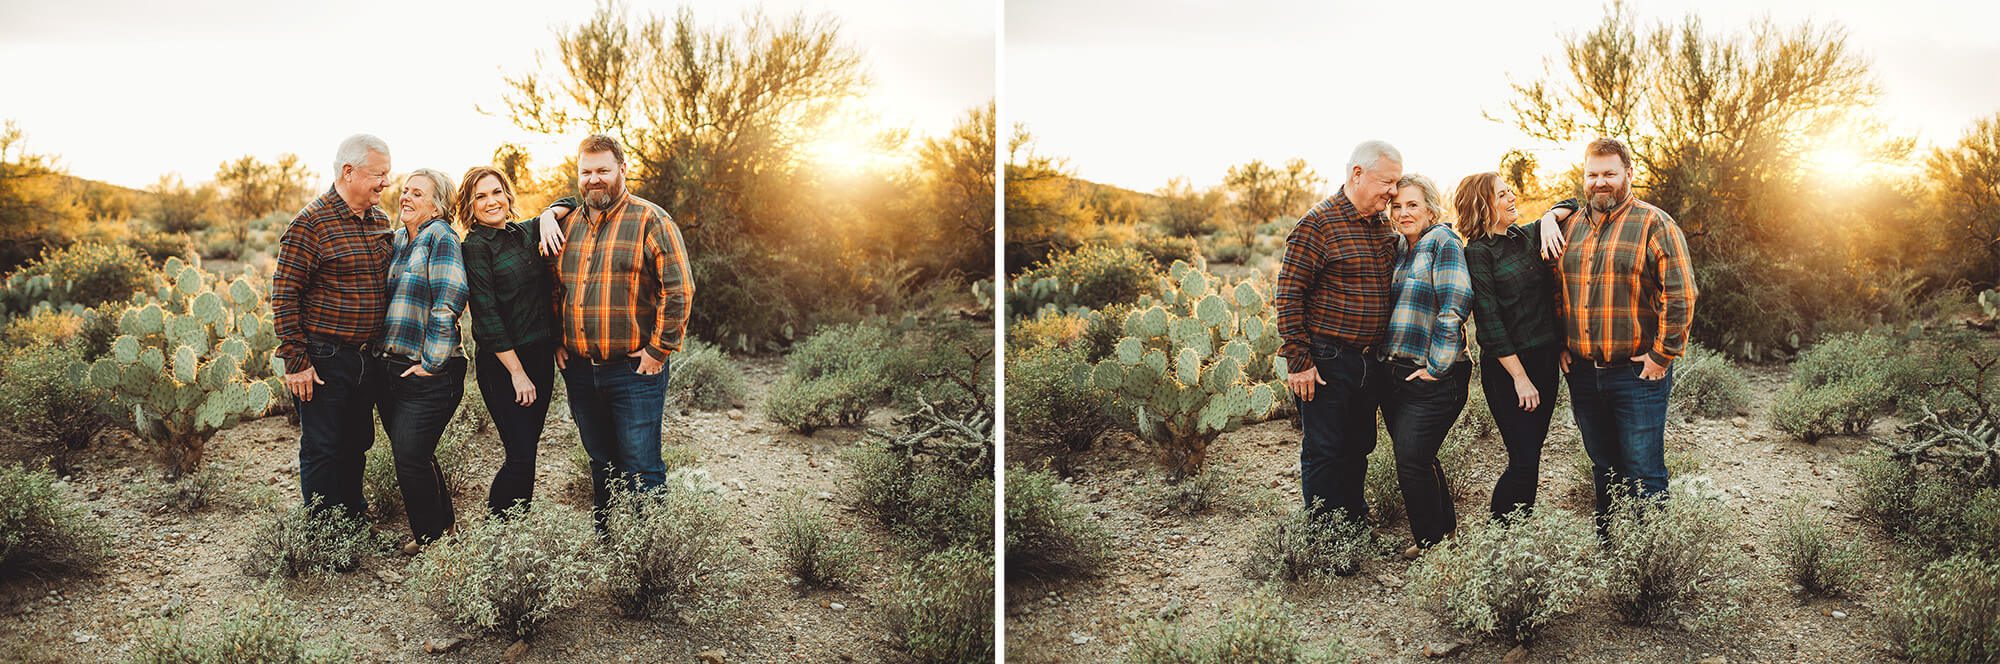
pixel 824 495
pixel 444 645
pixel 837 606
pixel 1079 638
pixel 1516 656
pixel 1839 615
pixel 735 414
pixel 515 651
pixel 712 656
pixel 1749 547
pixel 1172 610
pixel 1740 422
pixel 1443 650
pixel 83 637
pixel 1718 659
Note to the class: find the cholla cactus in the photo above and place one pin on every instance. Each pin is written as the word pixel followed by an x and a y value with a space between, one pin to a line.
pixel 1196 360
pixel 179 362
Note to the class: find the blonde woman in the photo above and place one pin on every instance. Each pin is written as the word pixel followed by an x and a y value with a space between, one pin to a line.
pixel 420 364
pixel 1424 353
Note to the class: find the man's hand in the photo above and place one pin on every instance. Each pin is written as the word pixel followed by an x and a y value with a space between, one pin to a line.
pixel 301 384
pixel 1653 370
pixel 1552 235
pixel 1564 362
pixel 417 369
pixel 551 232
pixel 562 358
pixel 524 390
pixel 1301 382
pixel 647 365
pixel 1525 390
pixel 1423 374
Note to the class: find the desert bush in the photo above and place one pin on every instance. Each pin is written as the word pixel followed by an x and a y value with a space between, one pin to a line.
pixel 1839 386
pixel 454 455
pixel 378 479
pixel 43 327
pixel 1706 383
pixel 835 377
pixel 43 397
pixel 263 629
pixel 510 573
pixel 1165 249
pixel 1935 515
pixel 1670 560
pixel 1046 329
pixel 1260 628
pixel 1102 329
pixel 948 363
pixel 1050 412
pixel 1307 547
pixel 703 377
pixel 1048 534
pixel 160 246
pixel 1227 248
pixel 921 499
pixel 1812 557
pixel 1510 578
pixel 940 608
pixel 812 551
pixel 43 533
pixel 669 552
pixel 84 275
pixel 1086 278
pixel 1194 495
pixel 195 492
pixel 1948 612
pixel 308 540
pixel 1381 488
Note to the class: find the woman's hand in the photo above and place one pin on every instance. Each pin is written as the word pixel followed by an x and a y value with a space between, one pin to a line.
pixel 524 389
pixel 1423 375
pixel 1552 236
pixel 416 369
pixel 1525 390
pixel 551 231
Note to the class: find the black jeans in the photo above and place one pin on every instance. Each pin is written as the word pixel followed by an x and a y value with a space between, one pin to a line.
pixel 1523 431
pixel 336 428
pixel 1419 414
pixel 415 410
pixel 520 426
pixel 1339 428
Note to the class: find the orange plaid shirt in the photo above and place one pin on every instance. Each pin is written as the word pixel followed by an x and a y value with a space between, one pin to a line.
pixel 1626 285
pixel 624 282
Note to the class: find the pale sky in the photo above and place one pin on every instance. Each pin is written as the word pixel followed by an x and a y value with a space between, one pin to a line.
pixel 1134 92
pixel 126 91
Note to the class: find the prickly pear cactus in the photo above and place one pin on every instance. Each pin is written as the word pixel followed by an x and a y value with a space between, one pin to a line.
pixel 183 358
pixel 1195 361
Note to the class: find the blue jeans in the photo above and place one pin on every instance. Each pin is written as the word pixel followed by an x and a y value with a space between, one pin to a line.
pixel 415 410
pixel 1419 415
pixel 1623 421
pixel 618 414
pixel 336 428
pixel 1339 427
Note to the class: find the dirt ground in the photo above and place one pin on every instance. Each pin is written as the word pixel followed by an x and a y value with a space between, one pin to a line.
pixel 1166 563
pixel 170 563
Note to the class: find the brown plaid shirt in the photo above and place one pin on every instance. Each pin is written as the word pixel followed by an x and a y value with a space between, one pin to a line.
pixel 331 282
pixel 1336 279
pixel 1626 285
pixel 624 282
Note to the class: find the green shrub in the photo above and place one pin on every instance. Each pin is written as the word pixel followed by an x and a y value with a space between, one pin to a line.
pixel 510 573
pixel 810 550
pixel 670 551
pixel 1948 612
pixel 1306 547
pixel 43 396
pixel 1195 495
pixel 41 532
pixel 1937 514
pixel 1670 561
pixel 1706 383
pixel 1165 249
pixel 195 492
pixel 1051 414
pixel 1812 557
pixel 44 327
pixel 1102 329
pixel 1920 371
pixel 1227 248
pixel 941 608
pixel 1046 329
pixel 1048 534
pixel 85 275
pixel 264 629
pixel 1509 578
pixel 835 378
pixel 703 377
pixel 160 246
pixel 922 499
pixel 1839 386
pixel 308 539
pixel 1261 628
pixel 1088 278
pixel 1381 487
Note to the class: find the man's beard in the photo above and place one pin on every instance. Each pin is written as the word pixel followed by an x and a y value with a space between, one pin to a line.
pixel 603 199
pixel 1609 201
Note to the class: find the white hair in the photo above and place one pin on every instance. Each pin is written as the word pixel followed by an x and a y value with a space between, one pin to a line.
pixel 1369 152
pixel 355 149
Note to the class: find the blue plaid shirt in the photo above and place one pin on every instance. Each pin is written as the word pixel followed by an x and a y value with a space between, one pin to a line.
pixel 427 291
pixel 1433 296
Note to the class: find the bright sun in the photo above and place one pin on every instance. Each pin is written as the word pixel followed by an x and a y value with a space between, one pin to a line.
pixel 1838 162
pixel 848 153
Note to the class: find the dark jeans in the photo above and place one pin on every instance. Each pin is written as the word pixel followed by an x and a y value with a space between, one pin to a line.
pixel 1418 415
pixel 1339 427
pixel 1623 421
pixel 336 428
pixel 520 426
pixel 415 410
pixel 618 414
pixel 1523 431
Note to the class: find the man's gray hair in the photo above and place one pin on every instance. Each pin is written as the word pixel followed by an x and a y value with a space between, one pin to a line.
pixel 1369 152
pixel 355 149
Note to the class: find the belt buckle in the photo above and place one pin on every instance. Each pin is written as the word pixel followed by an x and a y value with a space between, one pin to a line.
pixel 1602 365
